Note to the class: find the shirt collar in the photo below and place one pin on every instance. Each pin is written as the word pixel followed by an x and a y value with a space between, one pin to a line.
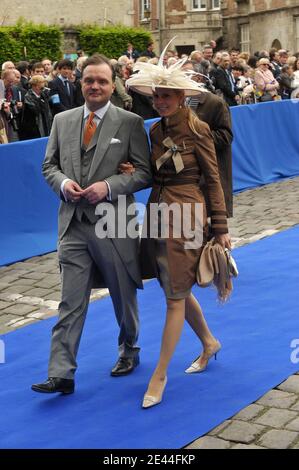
pixel 100 113
pixel 38 96
pixel 62 78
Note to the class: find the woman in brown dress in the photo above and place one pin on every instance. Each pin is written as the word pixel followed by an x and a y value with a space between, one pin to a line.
pixel 182 152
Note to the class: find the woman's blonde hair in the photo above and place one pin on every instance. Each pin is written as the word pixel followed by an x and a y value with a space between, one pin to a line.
pixel 193 120
pixel 37 80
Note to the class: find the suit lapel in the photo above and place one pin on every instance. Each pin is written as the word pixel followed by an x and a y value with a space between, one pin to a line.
pixel 75 130
pixel 110 126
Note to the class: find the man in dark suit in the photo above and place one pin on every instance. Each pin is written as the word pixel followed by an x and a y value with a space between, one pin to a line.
pixel 224 81
pixel 213 110
pixel 62 89
pixel 85 149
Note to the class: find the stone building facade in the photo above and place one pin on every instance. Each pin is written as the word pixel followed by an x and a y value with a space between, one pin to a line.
pixel 254 25
pixel 67 13
pixel 249 24
pixel 193 22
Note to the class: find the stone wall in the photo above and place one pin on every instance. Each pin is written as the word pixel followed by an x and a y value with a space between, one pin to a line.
pixel 67 12
pixel 268 20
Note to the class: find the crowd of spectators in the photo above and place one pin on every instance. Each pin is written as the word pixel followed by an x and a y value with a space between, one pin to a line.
pixel 31 93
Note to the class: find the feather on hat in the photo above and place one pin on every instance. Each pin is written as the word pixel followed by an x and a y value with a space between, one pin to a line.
pixel 150 76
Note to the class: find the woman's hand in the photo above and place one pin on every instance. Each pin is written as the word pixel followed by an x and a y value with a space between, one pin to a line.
pixel 126 168
pixel 223 240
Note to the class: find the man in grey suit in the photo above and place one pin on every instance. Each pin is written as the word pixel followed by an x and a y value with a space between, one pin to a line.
pixel 85 149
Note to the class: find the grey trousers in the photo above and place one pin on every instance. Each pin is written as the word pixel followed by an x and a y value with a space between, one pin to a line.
pixel 78 252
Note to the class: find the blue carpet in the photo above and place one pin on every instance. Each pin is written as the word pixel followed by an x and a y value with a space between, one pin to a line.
pixel 256 328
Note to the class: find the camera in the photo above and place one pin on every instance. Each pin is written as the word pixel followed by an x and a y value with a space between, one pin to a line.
pixel 2 103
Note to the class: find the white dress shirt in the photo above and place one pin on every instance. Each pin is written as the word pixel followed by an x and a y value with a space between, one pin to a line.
pixel 99 115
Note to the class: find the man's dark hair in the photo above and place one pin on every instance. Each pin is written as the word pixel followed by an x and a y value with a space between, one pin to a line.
pixel 22 66
pixel 98 59
pixel 65 63
pixel 238 67
pixel 272 53
pixel 37 65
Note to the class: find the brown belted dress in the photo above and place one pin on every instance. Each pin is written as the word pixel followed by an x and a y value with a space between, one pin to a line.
pixel 179 158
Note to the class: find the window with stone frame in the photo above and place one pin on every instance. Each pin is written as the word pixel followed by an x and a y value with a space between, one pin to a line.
pixel 215 4
pixel 245 38
pixel 145 6
pixel 199 4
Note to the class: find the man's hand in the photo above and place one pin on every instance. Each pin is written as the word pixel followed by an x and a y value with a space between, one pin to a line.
pixel 96 192
pixel 6 108
pixel 72 191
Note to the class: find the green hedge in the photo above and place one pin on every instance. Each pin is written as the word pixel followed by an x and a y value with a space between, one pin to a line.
pixel 40 41
pixel 45 41
pixel 112 40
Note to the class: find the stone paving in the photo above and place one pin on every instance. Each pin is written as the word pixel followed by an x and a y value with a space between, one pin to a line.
pixel 30 292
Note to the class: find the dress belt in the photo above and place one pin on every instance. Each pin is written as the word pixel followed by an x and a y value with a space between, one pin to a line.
pixel 176 181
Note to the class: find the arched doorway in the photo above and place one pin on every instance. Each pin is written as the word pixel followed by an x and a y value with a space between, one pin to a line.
pixel 277 44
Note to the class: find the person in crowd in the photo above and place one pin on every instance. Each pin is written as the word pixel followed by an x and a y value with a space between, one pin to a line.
pixel 13 106
pixel 207 52
pixel 274 61
pixel 213 110
pixel 234 56
pixel 246 87
pixel 79 65
pixel 3 135
pixel 143 104
pixel 149 51
pixel 8 65
pixel 295 92
pixel 252 62
pixel 182 150
pixel 131 52
pixel 61 89
pixel 23 68
pixel 225 83
pixel 48 67
pixel 38 69
pixel 53 74
pixel 286 82
pixel 126 65
pixel 265 82
pixel 85 149
pixel 18 78
pixel 243 56
pixel 283 56
pixel 196 57
pixel 78 97
pixel 120 97
pixel 37 116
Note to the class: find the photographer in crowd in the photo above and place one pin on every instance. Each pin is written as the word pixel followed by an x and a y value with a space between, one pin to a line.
pixel 11 99
pixel 37 117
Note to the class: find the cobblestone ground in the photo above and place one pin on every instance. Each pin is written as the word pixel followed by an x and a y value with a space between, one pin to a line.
pixel 30 292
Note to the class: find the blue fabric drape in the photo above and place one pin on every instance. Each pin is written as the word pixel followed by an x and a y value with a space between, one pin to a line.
pixel 265 149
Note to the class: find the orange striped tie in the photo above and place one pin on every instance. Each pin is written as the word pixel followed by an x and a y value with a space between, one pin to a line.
pixel 89 130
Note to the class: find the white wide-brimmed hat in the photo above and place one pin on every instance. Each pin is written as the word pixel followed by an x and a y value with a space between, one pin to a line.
pixel 149 77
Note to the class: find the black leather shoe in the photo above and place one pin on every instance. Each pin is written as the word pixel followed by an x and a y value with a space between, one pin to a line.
pixel 54 385
pixel 124 366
